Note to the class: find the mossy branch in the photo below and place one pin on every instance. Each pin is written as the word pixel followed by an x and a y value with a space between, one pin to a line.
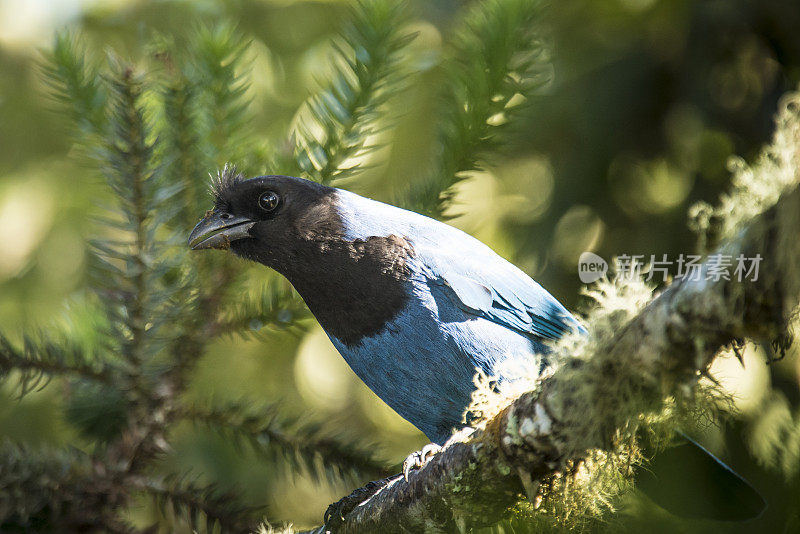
pixel 611 381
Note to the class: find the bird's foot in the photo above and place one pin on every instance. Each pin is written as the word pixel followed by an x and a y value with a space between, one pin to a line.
pixel 336 512
pixel 418 459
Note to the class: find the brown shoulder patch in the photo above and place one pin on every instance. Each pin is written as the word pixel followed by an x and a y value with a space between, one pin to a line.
pixel 321 221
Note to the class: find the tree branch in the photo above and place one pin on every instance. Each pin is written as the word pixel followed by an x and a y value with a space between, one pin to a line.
pixel 205 505
pixel 662 349
pixel 499 44
pixel 36 363
pixel 340 118
pixel 303 445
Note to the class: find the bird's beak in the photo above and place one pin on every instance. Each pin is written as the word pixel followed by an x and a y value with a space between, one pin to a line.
pixel 218 230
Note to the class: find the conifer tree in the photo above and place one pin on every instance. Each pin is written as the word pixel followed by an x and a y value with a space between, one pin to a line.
pixel 153 128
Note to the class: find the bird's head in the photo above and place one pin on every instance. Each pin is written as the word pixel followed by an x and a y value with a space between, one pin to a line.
pixel 265 218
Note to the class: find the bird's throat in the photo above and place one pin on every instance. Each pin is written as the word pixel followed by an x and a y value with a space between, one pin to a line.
pixel 353 288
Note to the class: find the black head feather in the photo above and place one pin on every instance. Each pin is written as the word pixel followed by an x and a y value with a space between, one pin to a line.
pixel 225 182
pixel 353 287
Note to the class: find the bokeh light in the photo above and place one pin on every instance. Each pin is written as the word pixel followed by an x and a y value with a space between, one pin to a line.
pixel 648 101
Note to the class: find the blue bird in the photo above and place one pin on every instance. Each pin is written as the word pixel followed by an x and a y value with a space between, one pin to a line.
pixel 413 305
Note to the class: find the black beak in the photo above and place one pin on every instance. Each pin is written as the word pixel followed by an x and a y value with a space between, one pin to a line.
pixel 218 230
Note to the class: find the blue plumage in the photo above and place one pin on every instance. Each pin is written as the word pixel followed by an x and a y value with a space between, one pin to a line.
pixel 469 310
pixel 415 306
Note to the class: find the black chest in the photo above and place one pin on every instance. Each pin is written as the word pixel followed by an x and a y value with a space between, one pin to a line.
pixel 353 288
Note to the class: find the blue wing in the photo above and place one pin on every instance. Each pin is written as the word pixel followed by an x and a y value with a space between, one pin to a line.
pixel 492 288
pixel 472 275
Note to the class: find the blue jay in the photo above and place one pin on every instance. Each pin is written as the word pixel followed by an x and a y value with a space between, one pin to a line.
pixel 414 306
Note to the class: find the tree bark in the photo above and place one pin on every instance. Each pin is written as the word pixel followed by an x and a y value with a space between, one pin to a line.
pixel 665 347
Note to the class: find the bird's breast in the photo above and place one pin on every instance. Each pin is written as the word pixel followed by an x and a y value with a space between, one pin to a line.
pixel 355 288
pixel 422 363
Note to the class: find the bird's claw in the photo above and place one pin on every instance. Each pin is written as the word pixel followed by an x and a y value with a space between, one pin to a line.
pixel 336 512
pixel 334 515
pixel 418 459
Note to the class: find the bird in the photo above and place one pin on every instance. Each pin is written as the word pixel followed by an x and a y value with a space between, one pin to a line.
pixel 414 305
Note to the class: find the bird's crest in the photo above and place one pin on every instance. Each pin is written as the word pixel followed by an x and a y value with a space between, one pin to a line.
pixel 225 180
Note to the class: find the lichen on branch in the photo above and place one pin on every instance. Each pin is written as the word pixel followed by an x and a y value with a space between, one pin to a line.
pixel 642 358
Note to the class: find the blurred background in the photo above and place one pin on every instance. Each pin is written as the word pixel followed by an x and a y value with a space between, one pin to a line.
pixel 649 100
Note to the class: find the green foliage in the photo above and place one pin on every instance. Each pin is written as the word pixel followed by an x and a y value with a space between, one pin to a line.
pixel 204 107
pixel 130 268
pixel 181 141
pixel 274 304
pixel 301 446
pixel 776 436
pixel 153 137
pixel 154 129
pixel 98 411
pixel 49 491
pixel 210 509
pixel 496 62
pixel 37 362
pixel 340 118
pixel 75 82
pixel 217 69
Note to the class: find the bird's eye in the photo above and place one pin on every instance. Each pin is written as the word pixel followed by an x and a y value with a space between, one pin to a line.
pixel 268 200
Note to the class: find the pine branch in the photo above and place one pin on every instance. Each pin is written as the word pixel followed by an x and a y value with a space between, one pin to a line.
pixel 142 285
pixel 100 412
pixel 55 491
pixel 130 272
pixel 206 107
pixel 37 362
pixel 275 304
pixel 219 76
pixel 75 83
pixel 180 145
pixel 497 60
pixel 338 120
pixel 204 122
pixel 131 158
pixel 204 507
pixel 302 445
